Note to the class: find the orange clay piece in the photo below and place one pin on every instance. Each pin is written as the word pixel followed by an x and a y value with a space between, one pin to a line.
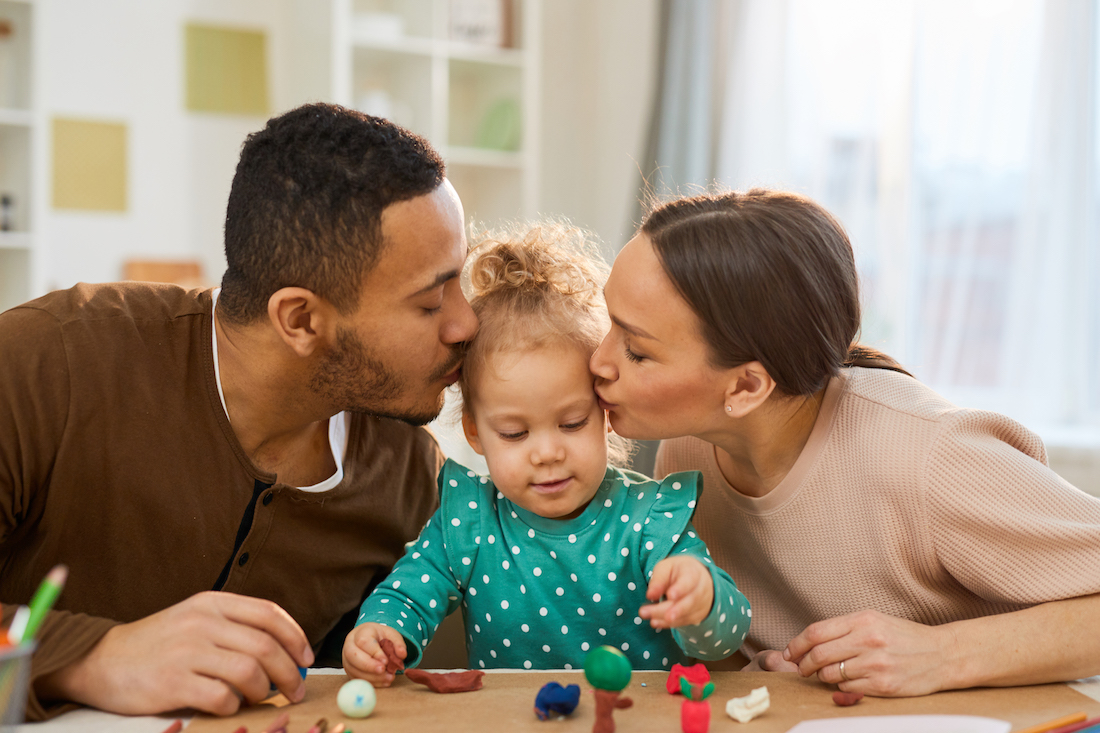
pixel 844 699
pixel 466 681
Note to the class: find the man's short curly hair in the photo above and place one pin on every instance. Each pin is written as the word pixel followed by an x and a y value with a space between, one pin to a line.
pixel 306 205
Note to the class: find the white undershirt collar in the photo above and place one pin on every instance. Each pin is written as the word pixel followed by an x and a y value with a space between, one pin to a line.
pixel 337 424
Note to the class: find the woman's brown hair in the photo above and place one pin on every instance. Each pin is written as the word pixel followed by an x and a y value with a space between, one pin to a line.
pixel 772 278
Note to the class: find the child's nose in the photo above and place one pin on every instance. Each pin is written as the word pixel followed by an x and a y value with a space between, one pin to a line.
pixel 548 450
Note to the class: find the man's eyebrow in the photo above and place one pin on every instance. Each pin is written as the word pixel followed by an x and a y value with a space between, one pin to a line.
pixel 632 330
pixel 440 279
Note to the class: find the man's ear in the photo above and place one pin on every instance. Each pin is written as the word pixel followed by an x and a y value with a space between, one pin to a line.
pixel 470 429
pixel 749 386
pixel 301 318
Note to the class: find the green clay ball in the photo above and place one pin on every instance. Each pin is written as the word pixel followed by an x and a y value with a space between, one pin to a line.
pixel 356 699
pixel 606 668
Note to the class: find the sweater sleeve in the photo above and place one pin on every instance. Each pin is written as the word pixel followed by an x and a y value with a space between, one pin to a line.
pixel 669 532
pixel 419 593
pixel 1004 524
pixel 34 392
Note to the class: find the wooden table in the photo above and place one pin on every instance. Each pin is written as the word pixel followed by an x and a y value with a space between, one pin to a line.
pixel 507 700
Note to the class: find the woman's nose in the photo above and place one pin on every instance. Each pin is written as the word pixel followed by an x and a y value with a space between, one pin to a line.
pixel 600 365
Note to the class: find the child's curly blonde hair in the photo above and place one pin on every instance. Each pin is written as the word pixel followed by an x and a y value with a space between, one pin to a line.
pixel 533 284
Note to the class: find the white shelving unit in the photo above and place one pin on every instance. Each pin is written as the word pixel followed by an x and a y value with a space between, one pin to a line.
pixel 477 103
pixel 21 145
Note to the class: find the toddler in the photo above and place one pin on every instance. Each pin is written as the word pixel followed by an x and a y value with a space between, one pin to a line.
pixel 555 552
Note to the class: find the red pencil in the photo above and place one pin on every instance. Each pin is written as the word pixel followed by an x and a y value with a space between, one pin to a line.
pixel 176 727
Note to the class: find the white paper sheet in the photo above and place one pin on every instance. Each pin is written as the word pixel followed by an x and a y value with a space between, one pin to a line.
pixel 904 724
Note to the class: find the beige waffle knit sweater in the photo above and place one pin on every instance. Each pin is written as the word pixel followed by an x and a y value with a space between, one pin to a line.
pixel 903 503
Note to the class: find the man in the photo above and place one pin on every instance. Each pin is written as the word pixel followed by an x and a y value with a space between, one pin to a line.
pixel 225 472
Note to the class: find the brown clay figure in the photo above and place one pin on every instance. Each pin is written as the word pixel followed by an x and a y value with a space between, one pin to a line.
pixel 393 662
pixel 844 699
pixel 465 681
pixel 606 703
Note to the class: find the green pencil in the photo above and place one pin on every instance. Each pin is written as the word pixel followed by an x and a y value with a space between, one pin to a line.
pixel 43 600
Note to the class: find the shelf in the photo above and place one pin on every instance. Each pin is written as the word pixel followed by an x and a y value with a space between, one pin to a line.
pixel 461 155
pixel 16 117
pixel 16 240
pixel 409 45
pixel 484 54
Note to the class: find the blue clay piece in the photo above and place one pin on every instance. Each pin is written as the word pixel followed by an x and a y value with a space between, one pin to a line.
pixel 553 698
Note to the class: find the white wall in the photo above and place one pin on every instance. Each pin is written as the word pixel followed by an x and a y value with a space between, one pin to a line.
pixel 123 61
pixel 599 71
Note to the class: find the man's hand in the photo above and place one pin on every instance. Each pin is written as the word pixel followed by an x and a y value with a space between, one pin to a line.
pixel 883 655
pixel 363 656
pixel 688 590
pixel 207 652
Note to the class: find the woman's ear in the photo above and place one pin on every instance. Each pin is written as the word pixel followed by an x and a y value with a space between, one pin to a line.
pixel 469 427
pixel 301 318
pixel 749 386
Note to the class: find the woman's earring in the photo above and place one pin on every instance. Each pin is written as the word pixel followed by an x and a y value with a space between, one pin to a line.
pixel 729 408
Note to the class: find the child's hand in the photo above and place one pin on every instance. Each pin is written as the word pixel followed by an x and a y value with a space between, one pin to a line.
pixel 364 658
pixel 688 590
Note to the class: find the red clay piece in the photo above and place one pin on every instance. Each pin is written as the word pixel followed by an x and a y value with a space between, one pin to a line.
pixel 467 681
pixel 696 674
pixel 695 716
pixel 844 699
pixel 393 662
pixel 606 703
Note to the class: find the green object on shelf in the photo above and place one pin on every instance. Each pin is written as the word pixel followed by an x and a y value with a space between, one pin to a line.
pixel 606 668
pixel 500 128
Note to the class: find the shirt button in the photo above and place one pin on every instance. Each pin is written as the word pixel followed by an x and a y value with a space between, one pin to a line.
pixel 244 559
pixel 268 498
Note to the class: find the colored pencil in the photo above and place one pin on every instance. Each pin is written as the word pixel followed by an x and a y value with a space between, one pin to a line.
pixel 176 727
pixel 44 598
pixel 1050 725
pixel 18 626
pixel 1077 726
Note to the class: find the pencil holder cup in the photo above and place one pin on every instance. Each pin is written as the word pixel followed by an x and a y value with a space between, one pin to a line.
pixel 15 671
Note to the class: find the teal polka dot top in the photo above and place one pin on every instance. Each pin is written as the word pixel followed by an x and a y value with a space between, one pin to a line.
pixel 539 593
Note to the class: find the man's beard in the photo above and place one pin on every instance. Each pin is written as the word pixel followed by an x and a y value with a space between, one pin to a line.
pixel 350 376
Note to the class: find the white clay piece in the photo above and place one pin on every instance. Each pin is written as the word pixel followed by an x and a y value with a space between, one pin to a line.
pixel 744 709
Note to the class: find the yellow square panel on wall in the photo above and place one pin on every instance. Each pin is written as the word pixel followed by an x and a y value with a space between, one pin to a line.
pixel 89 165
pixel 226 70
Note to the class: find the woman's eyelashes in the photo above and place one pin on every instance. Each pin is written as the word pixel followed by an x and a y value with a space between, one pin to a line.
pixel 631 356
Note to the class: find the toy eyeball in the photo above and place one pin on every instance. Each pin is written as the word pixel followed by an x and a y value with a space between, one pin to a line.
pixel 356 699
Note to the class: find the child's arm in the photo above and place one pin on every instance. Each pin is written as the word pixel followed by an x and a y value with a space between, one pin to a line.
pixel 415 598
pixel 708 615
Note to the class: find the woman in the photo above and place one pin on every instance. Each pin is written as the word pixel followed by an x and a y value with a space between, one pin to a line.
pixel 889 542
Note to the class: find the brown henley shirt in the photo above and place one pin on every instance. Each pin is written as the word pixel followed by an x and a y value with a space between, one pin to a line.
pixel 117 459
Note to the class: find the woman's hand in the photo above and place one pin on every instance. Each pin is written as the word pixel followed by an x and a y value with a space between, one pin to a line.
pixel 363 655
pixel 882 655
pixel 688 590
pixel 769 660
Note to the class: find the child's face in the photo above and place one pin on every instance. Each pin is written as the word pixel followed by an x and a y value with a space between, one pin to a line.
pixel 541 430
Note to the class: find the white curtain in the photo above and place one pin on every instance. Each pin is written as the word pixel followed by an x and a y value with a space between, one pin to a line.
pixel 957 142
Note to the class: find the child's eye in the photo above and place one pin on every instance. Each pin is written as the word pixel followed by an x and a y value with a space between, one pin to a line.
pixel 512 436
pixel 575 425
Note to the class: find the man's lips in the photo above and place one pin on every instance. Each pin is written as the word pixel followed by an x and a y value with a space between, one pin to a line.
pixel 551 487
